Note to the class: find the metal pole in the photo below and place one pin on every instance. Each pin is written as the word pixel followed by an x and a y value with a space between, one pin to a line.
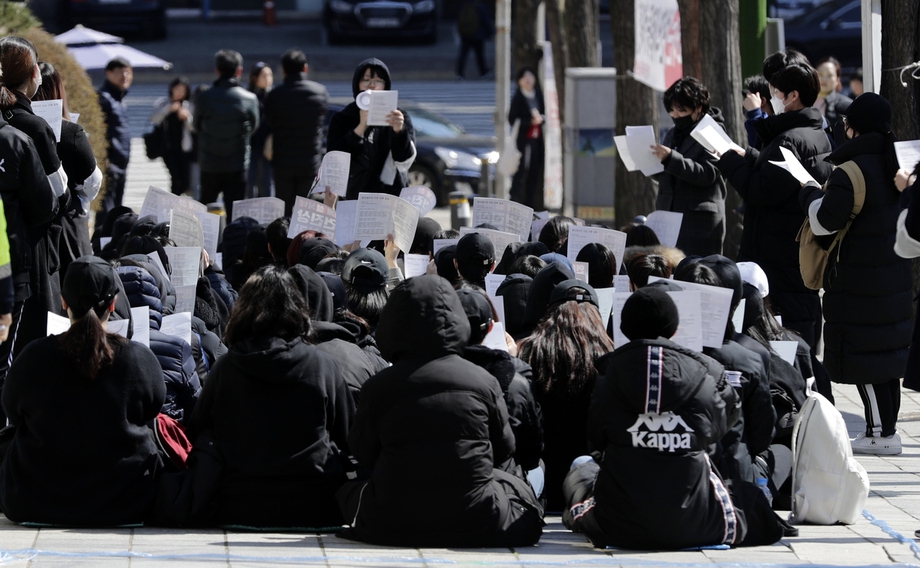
pixel 872 44
pixel 502 84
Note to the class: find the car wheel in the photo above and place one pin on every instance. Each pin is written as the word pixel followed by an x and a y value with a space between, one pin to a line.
pixel 425 176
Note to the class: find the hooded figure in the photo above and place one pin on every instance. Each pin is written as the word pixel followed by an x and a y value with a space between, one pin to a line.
pixel 380 156
pixel 434 428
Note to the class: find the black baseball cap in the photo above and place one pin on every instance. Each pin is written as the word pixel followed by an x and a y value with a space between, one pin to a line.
pixel 365 269
pixel 90 284
pixel 572 290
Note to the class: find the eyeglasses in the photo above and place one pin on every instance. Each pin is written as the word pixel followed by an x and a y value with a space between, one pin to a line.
pixel 374 82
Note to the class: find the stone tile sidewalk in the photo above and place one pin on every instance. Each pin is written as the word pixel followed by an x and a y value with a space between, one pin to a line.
pixel 894 504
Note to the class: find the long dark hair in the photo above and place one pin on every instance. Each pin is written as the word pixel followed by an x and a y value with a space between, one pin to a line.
pixel 18 59
pixel 52 87
pixel 90 346
pixel 270 305
pixel 564 347
pixel 602 264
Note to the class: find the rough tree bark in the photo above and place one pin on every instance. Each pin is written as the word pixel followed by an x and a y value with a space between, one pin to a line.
pixel 720 70
pixel 582 32
pixel 636 105
pixel 556 29
pixel 526 52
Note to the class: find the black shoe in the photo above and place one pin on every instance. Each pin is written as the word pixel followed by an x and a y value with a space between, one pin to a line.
pixel 789 531
pixel 917 533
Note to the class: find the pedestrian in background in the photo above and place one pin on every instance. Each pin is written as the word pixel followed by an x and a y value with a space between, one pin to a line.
pixel 118 78
pixel 831 102
pixel 226 115
pixel 474 26
pixel 175 111
pixel 527 110
pixel 259 180
pixel 296 113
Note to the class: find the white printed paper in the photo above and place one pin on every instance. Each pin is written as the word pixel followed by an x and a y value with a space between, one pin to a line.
pixel 579 237
pixel 103 241
pixel 639 140
pixel 219 260
pixel 498 302
pixel 75 117
pixel 712 136
pixel 493 281
pixel 262 209
pixel 536 227
pixel 605 304
pixel 621 284
pixel 210 230
pixel 415 264
pixel 792 165
pixel 178 325
pixel 184 262
pixel 738 316
pixel 56 324
pixel 623 152
pixel 140 318
pixel 333 173
pixel 786 350
pixel 185 298
pixel 382 104
pixel 689 330
pixel 311 215
pixel 421 197
pixel 118 327
pixel 155 258
pixel 438 244
pixel 666 225
pixel 345 223
pixel 657 61
pixel 500 240
pixel 52 112
pixel 185 229
pixel 715 304
pixel 908 153
pixel 379 215
pixel 159 202
pixel 507 216
pixel 581 271
pixel 495 339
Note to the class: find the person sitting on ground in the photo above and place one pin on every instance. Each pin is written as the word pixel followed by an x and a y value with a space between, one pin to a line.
pixel 434 429
pixel 279 412
pixel 643 265
pixel 365 278
pixel 81 453
pixel 555 233
pixel 475 258
pixel 602 264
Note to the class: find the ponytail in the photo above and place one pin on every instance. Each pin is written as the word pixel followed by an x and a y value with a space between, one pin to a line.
pixel 89 345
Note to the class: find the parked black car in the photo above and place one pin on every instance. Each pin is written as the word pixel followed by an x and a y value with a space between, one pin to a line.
pixel 835 28
pixel 380 19
pixel 146 18
pixel 448 159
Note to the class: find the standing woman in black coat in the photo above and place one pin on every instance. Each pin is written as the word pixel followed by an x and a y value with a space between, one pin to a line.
pixel 175 113
pixel 83 178
pixel 867 286
pixel 279 411
pixel 691 182
pixel 527 108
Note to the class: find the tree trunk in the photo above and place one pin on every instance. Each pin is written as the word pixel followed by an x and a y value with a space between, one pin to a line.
pixel 720 66
pixel 526 52
pixel 555 27
pixel 690 38
pixel 636 105
pixel 582 32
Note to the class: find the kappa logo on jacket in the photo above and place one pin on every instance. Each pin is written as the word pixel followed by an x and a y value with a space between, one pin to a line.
pixel 664 432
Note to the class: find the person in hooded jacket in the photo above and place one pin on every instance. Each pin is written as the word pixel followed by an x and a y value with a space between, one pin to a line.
pixel 867 286
pixel 657 414
pixel 434 429
pixel 278 410
pixel 691 183
pixel 772 214
pixel 380 155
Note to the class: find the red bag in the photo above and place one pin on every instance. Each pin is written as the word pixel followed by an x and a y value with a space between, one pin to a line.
pixel 171 440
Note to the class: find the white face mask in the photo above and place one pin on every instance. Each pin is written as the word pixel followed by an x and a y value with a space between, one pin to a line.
pixel 777 103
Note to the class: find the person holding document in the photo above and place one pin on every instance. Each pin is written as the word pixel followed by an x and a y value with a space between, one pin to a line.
pixel 380 155
pixel 691 183
pixel 867 286
pixel 772 215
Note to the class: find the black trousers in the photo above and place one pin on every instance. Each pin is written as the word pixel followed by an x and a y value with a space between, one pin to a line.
pixel 179 165
pixel 478 46
pixel 881 401
pixel 231 184
pixel 291 183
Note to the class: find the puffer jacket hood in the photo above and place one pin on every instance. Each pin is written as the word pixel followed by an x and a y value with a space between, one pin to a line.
pixel 540 290
pixel 315 292
pixel 379 66
pixel 164 285
pixel 514 289
pixel 423 319
pixel 141 289
pixel 268 359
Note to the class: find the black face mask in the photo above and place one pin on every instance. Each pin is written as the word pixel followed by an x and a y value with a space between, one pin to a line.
pixel 684 122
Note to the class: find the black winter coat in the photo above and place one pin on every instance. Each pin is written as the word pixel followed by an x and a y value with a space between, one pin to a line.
pixel 772 214
pixel 225 117
pixel 118 128
pixel 82 454
pixel 78 161
pixel 867 292
pixel 656 475
pixel 369 153
pixel 296 114
pixel 280 412
pixel 434 428
pixel 692 184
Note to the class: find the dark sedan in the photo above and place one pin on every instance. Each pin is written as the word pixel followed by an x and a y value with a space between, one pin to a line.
pixel 380 19
pixel 448 159
pixel 833 29
pixel 145 18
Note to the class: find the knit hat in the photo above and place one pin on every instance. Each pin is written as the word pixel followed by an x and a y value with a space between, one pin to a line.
pixel 91 284
pixel 649 313
pixel 366 270
pixel 478 312
pixel 869 113
pixel 572 291
pixel 753 274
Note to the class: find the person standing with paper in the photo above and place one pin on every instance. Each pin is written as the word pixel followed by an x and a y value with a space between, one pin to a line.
pixel 175 113
pixel 867 286
pixel 296 112
pixel 527 109
pixel 691 183
pixel 380 155
pixel 772 215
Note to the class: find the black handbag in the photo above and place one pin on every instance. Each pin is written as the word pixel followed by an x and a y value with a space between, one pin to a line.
pixel 155 141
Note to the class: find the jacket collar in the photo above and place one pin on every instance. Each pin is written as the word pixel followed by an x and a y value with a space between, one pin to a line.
pixel 299 77
pixel 23 102
pixel 870 143
pixel 227 82
pixel 110 88
pixel 772 126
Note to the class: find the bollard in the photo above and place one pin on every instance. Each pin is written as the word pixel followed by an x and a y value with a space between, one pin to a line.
pixel 269 17
pixel 460 213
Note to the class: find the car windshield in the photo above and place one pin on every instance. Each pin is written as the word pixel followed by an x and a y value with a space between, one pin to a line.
pixel 430 125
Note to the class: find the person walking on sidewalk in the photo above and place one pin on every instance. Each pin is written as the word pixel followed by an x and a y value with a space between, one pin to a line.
pixel 474 26
pixel 225 117
pixel 118 78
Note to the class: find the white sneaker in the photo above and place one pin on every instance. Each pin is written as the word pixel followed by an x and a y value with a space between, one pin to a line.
pixel 879 446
